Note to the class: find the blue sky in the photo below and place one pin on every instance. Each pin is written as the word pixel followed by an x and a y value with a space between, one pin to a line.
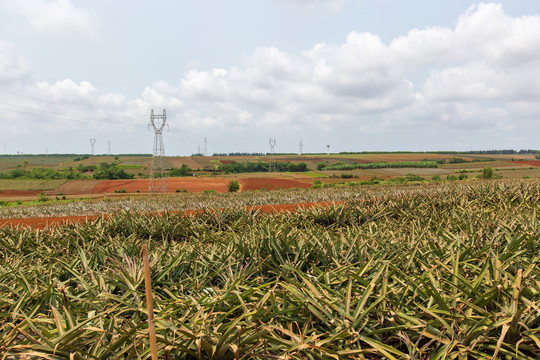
pixel 360 75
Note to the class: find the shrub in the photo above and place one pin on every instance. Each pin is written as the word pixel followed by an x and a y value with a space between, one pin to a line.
pixel 233 186
pixel 182 171
pixel 456 160
pixel 436 178
pixel 317 184
pixel 413 177
pixel 108 171
pixel 487 173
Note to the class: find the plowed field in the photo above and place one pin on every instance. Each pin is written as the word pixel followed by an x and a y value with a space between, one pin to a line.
pixel 190 184
pixel 535 163
pixel 271 184
pixel 77 187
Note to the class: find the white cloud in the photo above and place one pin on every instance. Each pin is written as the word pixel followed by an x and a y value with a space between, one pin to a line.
pixel 479 77
pixel 13 65
pixel 477 81
pixel 58 17
pixel 486 31
pixel 458 77
pixel 333 4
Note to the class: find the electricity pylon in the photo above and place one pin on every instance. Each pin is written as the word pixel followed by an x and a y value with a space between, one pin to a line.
pixel 92 143
pixel 272 164
pixel 158 180
pixel 300 146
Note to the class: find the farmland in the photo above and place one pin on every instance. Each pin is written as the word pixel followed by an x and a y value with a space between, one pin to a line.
pixel 76 177
pixel 445 270
pixel 353 258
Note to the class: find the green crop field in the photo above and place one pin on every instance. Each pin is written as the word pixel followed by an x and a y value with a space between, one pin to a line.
pixel 420 272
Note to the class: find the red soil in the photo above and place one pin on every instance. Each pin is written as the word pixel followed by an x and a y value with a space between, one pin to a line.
pixel 199 184
pixel 49 222
pixel 535 163
pixel 271 184
pixel 190 184
pixel 13 193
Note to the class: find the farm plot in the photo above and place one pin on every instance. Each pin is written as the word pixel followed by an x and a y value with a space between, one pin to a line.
pixel 77 187
pixel 190 184
pixel 446 272
pixel 29 185
pixel 271 183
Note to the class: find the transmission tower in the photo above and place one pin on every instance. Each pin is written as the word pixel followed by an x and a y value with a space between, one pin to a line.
pixel 92 143
pixel 205 153
pixel 300 146
pixel 158 180
pixel 272 164
pixel 109 147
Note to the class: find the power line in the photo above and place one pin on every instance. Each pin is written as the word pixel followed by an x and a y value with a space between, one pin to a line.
pixel 40 112
pixel 60 116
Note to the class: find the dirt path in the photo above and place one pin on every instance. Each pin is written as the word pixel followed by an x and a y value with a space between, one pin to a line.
pixel 48 222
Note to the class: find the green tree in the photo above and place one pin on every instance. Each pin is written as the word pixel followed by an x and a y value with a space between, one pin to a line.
pixel 108 171
pixel 183 171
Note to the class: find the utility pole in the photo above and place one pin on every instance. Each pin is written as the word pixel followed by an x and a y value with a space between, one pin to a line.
pixel 158 180
pixel 300 146
pixel 92 143
pixel 272 164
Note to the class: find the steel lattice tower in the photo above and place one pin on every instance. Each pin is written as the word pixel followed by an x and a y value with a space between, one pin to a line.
pixel 158 180
pixel 92 143
pixel 272 164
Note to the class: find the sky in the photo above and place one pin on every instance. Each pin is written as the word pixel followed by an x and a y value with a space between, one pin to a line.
pixel 358 75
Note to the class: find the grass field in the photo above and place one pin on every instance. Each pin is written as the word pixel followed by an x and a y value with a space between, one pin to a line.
pixel 409 272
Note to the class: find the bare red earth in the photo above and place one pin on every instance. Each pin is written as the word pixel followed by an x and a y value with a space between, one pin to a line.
pixel 535 163
pixel 13 193
pixel 51 222
pixel 190 184
pixel 271 184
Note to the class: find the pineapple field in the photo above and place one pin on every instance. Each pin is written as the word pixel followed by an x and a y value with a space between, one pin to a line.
pixel 438 271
